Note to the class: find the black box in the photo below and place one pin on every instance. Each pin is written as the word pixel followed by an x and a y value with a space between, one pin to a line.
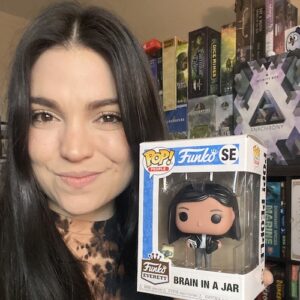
pixel 204 62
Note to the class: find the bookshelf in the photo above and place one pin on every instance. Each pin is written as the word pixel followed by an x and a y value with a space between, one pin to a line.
pixel 285 174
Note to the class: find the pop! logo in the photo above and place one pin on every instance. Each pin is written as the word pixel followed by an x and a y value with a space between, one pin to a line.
pixel 256 155
pixel 158 160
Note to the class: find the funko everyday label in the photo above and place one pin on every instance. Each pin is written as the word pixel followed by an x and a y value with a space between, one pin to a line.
pixel 201 220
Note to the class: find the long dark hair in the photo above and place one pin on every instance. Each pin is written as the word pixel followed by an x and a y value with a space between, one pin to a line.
pixel 200 192
pixel 35 263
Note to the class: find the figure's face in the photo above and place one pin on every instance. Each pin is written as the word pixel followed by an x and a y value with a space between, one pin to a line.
pixel 204 217
pixel 77 145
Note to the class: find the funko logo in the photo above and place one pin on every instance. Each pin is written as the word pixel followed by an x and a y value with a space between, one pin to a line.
pixel 229 154
pixel 158 160
pixel 154 270
pixel 201 155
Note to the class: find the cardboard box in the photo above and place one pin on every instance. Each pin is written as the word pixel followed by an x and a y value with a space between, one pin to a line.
pixel 269 51
pixel 204 62
pixel 244 30
pixel 266 104
pixel 177 122
pixel 228 51
pixel 210 116
pixel 181 183
pixel 292 39
pixel 285 16
pixel 181 73
pixel 259 30
pixel 156 68
pixel 201 117
pixel 169 73
pixel 295 219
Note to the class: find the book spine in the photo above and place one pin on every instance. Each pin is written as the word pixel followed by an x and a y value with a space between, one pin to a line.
pixel 228 51
pixel 269 28
pixel 283 221
pixel 214 50
pixel 280 10
pixel 197 67
pixel 169 74
pixel 244 31
pixel 181 73
pixel 259 30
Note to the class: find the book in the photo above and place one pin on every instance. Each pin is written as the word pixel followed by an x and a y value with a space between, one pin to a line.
pixel 272 226
pixel 228 51
pixel 294 282
pixel 295 219
pixel 169 73
pixel 181 73
pixel 244 30
pixel 259 30
pixel 204 62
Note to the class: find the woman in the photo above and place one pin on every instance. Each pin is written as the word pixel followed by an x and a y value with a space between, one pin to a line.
pixel 81 99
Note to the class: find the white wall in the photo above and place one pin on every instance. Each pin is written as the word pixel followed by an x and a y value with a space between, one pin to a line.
pixel 10 30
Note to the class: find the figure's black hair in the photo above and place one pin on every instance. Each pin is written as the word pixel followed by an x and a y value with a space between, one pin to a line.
pixel 35 263
pixel 199 192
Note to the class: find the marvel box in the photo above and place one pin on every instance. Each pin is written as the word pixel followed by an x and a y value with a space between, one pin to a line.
pixel 201 218
pixel 266 104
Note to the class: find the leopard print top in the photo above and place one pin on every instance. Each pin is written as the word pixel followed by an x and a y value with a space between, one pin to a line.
pixel 96 245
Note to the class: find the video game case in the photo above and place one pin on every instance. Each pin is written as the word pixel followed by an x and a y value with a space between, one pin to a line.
pixel 228 58
pixel 272 226
pixel 204 62
pixel 259 23
pixel 181 72
pixel 244 30
pixel 169 73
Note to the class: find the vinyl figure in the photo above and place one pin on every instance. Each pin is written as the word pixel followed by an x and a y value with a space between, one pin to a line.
pixel 203 214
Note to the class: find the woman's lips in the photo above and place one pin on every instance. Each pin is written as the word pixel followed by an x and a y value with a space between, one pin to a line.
pixel 78 180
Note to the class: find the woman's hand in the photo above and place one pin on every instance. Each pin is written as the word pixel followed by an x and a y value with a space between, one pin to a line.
pixel 267 277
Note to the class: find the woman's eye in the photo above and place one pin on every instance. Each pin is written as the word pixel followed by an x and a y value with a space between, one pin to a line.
pixel 109 120
pixel 183 216
pixel 41 117
pixel 216 219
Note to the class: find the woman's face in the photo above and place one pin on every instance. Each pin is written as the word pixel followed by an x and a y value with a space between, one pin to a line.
pixel 77 145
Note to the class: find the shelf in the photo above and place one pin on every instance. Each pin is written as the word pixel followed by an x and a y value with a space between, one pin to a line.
pixel 280 171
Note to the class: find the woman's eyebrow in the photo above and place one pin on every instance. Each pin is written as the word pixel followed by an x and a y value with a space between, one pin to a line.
pixel 100 103
pixel 50 103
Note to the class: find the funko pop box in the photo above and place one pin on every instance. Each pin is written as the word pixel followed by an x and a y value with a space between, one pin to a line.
pixel 201 218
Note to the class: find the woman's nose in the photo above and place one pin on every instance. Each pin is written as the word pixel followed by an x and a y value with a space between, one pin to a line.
pixel 76 143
